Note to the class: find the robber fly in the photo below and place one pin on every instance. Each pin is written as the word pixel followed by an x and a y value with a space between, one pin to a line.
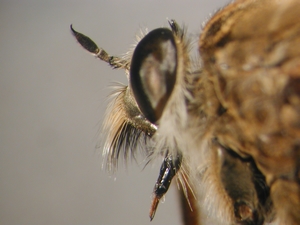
pixel 227 124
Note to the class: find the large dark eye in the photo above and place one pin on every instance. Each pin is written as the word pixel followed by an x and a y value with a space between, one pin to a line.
pixel 153 72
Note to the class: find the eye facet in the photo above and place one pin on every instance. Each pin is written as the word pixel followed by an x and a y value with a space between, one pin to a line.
pixel 153 72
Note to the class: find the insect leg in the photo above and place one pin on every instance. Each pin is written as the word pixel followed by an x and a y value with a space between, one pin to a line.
pixel 240 179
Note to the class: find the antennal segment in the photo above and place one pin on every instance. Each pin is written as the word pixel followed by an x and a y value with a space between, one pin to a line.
pixel 89 45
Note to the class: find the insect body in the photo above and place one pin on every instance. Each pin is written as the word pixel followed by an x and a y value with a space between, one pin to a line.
pixel 229 130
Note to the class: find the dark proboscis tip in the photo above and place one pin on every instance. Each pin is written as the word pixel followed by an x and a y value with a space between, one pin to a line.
pixel 168 170
pixel 153 208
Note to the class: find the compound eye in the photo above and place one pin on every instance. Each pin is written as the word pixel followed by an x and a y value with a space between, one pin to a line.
pixel 153 72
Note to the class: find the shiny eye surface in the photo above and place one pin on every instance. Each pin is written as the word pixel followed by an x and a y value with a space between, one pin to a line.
pixel 153 72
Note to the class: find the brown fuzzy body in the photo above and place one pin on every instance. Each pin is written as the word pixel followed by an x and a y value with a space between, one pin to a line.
pixel 251 57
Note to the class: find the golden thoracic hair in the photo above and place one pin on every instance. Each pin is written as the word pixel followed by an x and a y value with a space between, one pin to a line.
pixel 229 130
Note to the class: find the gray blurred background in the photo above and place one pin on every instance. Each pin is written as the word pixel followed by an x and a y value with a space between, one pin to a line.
pixel 52 99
